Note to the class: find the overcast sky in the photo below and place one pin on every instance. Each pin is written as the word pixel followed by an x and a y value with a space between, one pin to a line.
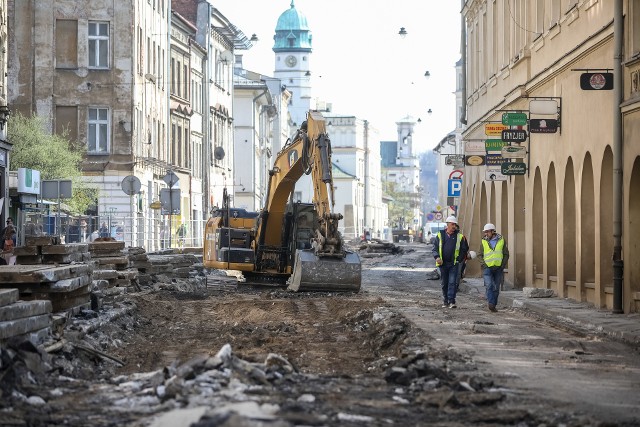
pixel 359 62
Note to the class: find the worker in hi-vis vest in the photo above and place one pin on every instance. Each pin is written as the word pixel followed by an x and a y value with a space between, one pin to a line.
pixel 449 250
pixel 493 256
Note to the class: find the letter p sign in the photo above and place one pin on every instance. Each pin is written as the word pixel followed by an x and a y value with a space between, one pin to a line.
pixel 454 188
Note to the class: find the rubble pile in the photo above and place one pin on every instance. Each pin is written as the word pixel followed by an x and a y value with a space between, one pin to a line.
pixel 377 246
pixel 180 272
pixel 49 250
pixel 28 320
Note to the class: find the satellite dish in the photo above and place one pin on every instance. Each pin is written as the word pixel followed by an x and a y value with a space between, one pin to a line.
pixel 218 153
pixel 226 56
pixel 131 185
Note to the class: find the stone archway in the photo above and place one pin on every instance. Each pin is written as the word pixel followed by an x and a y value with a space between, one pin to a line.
pixel 504 212
pixel 492 204
pixel 569 233
pixel 552 231
pixel 632 261
pixel 606 230
pixel 483 205
pixel 587 233
pixel 538 227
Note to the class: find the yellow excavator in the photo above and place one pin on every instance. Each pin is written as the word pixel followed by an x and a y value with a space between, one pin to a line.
pixel 288 243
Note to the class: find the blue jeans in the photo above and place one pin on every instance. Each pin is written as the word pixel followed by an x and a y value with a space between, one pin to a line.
pixel 492 282
pixel 449 273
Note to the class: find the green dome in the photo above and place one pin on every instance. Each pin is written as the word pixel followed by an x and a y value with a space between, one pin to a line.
pixel 292 32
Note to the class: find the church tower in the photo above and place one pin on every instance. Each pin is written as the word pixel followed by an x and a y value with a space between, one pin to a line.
pixel 292 49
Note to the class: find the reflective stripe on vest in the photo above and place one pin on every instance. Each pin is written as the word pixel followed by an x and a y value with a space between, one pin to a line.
pixel 493 258
pixel 457 251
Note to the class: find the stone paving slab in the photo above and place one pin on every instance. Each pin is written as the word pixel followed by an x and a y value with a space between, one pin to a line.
pixel 566 312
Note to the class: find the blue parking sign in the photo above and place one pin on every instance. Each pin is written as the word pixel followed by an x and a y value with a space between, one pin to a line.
pixel 454 187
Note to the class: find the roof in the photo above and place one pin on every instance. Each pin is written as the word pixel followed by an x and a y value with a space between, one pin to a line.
pixel 292 32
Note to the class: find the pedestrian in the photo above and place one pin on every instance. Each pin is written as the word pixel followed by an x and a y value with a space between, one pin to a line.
pixel 104 230
pixel 181 234
pixel 9 236
pixel 449 250
pixel 493 256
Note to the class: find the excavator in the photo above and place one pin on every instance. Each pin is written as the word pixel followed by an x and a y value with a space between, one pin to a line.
pixel 287 243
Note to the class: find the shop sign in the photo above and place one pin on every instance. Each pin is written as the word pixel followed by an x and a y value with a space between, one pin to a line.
pixel 474 160
pixel 494 144
pixel 495 174
pixel 514 119
pixel 513 152
pixel 596 81
pixel 513 168
pixel 494 129
pixel 514 135
pixel 543 126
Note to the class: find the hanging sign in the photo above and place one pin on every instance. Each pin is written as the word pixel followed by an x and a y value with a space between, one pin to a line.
pixel 596 81
pixel 474 147
pixel 515 168
pixel 543 106
pixel 474 160
pixel 495 174
pixel 513 152
pixel 455 160
pixel 514 135
pixel 514 119
pixel 494 129
pixel 494 160
pixel 543 125
pixel 494 144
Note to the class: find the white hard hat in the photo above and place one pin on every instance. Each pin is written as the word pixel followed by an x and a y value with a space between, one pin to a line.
pixel 451 219
pixel 488 227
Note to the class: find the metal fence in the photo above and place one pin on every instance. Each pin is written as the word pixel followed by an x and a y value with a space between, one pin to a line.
pixel 152 233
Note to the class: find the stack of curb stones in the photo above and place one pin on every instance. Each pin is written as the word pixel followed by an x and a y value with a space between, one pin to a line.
pixel 28 319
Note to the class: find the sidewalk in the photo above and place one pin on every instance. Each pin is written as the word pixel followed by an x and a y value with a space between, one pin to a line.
pixel 566 313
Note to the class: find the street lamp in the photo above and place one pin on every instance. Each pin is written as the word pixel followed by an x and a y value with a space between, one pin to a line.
pixel 403 33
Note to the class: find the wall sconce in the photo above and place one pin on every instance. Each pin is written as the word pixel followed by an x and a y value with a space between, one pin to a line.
pixel 4 115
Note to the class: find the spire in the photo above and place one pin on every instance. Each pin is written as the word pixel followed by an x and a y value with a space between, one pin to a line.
pixel 292 5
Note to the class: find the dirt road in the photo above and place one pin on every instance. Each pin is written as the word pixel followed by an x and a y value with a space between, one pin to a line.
pixel 229 355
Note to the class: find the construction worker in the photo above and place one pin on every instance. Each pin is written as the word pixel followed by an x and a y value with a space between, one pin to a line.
pixel 449 250
pixel 493 256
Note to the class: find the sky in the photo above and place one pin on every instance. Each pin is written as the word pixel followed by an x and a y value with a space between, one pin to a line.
pixel 361 65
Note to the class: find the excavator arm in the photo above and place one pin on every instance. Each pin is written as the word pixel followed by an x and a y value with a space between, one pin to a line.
pixel 328 265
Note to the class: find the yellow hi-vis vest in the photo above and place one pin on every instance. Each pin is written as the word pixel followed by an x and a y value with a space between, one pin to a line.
pixel 457 251
pixel 493 258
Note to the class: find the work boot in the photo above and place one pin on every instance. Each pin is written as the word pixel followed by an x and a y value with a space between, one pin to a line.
pixel 453 305
pixel 492 308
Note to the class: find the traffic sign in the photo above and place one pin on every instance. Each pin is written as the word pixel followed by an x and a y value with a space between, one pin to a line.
pixel 170 178
pixel 438 216
pixel 543 126
pixel 514 135
pixel 454 187
pixel 515 168
pixel 456 174
pixel 514 119
pixel 494 129
pixel 514 152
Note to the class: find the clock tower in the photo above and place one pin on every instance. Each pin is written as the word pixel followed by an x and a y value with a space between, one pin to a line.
pixel 292 50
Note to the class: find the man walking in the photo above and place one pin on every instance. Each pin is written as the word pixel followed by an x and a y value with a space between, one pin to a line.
pixel 449 250
pixel 493 256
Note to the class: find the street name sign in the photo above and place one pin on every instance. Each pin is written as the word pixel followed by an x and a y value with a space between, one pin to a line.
pixel 514 119
pixel 515 168
pixel 543 126
pixel 514 135
pixel 494 129
pixel 494 144
pixel 514 152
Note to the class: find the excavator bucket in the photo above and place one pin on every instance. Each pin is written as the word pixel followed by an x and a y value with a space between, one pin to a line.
pixel 313 273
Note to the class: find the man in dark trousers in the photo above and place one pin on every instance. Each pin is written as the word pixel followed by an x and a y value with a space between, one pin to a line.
pixel 450 250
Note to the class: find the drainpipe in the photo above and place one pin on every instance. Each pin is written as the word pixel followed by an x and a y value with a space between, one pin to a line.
pixel 618 264
pixel 463 63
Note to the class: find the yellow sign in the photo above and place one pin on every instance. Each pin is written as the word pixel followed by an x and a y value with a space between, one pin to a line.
pixel 494 129
pixel 155 205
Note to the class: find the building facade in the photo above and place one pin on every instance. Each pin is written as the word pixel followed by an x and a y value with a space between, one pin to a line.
pixel 570 210
pixel 5 145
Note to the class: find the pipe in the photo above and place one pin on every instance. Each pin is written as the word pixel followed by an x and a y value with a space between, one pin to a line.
pixel 618 264
pixel 463 64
